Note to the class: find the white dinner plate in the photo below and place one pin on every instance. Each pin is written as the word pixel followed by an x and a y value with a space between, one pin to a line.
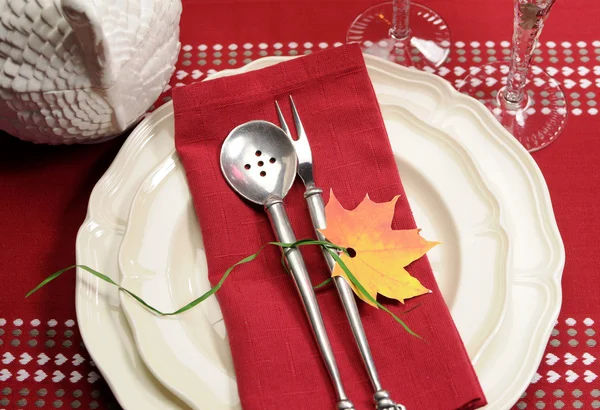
pixel 162 260
pixel 535 250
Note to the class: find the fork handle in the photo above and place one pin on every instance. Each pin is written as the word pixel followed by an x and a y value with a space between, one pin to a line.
pixel 316 208
pixel 284 233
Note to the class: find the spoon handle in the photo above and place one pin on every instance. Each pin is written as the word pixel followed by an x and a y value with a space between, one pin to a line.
pixel 316 207
pixel 284 232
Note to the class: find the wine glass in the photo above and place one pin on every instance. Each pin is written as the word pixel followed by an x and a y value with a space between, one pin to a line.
pixel 531 104
pixel 404 32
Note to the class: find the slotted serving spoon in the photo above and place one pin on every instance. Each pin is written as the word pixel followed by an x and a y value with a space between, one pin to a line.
pixel 259 162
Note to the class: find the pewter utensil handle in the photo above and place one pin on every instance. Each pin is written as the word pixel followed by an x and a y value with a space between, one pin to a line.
pixel 316 207
pixel 284 232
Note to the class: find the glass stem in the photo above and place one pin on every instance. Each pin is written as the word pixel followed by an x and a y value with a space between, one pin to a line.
pixel 400 29
pixel 528 22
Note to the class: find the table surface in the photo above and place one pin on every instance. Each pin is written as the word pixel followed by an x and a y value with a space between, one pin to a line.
pixel 44 190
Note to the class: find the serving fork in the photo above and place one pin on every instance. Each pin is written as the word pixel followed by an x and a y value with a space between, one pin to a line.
pixel 316 207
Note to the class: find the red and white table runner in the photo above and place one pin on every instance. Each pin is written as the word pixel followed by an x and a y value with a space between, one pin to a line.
pixel 44 190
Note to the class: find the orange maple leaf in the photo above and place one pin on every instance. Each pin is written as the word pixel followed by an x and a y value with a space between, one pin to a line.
pixel 378 254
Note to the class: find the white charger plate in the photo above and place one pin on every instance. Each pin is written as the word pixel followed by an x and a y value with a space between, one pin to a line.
pixel 162 260
pixel 536 256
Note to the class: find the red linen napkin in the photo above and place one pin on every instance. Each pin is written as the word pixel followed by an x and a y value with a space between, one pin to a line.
pixel 276 360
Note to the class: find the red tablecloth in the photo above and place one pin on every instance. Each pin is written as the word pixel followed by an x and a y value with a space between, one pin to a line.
pixel 44 190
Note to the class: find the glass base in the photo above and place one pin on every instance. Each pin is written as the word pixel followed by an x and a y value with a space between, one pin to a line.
pixel 427 44
pixel 537 120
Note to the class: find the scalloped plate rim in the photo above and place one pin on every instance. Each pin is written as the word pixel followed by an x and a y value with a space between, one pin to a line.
pixel 134 283
pixel 87 287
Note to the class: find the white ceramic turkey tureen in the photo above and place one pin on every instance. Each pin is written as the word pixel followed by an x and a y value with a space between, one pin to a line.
pixel 80 71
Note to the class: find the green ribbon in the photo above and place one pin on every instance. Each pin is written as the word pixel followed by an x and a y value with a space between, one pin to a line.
pixel 329 247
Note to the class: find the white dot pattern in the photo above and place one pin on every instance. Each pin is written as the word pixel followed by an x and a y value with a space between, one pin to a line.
pixel 570 74
pixel 570 359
